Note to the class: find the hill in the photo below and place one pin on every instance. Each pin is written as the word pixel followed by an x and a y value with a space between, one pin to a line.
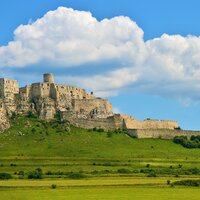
pixel 32 137
pixel 108 163
pixel 60 148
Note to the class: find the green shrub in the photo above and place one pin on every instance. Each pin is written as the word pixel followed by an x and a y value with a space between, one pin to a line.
pixel 49 173
pixel 194 170
pixel 13 116
pixel 194 137
pixel 37 174
pixel 5 176
pixel 97 129
pixel 76 175
pixel 124 171
pixel 148 165
pixel 94 129
pixel 21 173
pixel 109 134
pixel 180 166
pixel 152 174
pixel 107 164
pixel 194 141
pixel 194 183
pixel 178 128
pixel 168 182
pixel 53 186
pixel 30 114
pixel 58 116
pixel 100 130
pixel 13 165
pixel 33 130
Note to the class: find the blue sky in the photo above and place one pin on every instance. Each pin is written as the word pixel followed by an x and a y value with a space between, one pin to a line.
pixel 175 98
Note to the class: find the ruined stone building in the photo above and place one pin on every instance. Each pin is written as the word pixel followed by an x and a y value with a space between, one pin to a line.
pixel 75 105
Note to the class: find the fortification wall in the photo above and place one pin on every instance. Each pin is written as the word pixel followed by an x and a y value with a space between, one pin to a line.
pixel 132 123
pixel 109 123
pixel 64 97
pixel 92 123
pixel 45 89
pixel 8 88
pixel 36 90
pixel 95 107
pixel 160 124
pixel 40 90
pixel 85 109
pixel 55 91
pixel 68 91
pixel 25 92
pixel 160 133
pixel 71 92
pixel 9 92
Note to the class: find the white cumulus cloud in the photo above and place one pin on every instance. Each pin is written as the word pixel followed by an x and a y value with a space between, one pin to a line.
pixel 65 38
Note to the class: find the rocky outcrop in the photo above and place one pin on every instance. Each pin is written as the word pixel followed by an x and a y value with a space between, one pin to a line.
pixel 4 120
pixel 45 107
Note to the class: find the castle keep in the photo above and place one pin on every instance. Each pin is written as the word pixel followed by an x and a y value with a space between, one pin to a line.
pixel 76 106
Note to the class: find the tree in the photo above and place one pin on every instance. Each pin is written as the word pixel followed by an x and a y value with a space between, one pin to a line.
pixel 37 174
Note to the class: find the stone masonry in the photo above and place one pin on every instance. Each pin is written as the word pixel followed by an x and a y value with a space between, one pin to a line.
pixel 77 106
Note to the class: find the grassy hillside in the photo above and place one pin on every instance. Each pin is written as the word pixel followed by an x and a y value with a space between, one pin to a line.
pixel 112 165
pixel 32 143
pixel 31 137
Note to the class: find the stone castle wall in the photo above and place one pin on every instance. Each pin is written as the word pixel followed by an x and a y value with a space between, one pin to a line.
pixel 71 92
pixel 49 98
pixel 8 91
pixel 132 123
pixel 77 106
pixel 99 108
pixel 55 91
pixel 8 88
pixel 160 133
pixel 109 123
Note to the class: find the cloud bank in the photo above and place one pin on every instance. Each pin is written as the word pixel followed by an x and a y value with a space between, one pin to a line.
pixel 65 38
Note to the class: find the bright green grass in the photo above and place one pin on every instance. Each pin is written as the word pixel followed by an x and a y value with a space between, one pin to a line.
pixel 84 144
pixel 53 149
pixel 114 193
pixel 91 182
pixel 97 188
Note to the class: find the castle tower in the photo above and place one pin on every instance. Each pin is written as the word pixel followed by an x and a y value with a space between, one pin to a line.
pixel 48 78
pixel 8 88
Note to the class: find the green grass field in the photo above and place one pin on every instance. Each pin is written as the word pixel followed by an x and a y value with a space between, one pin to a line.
pixel 116 166
pixel 116 193
pixel 98 188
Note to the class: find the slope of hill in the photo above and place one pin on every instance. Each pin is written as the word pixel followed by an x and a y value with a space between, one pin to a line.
pixel 112 161
pixel 31 137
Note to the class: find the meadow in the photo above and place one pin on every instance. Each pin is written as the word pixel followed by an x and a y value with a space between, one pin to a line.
pixel 114 165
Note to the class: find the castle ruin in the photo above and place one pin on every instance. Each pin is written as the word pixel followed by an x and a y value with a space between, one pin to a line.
pixel 77 106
